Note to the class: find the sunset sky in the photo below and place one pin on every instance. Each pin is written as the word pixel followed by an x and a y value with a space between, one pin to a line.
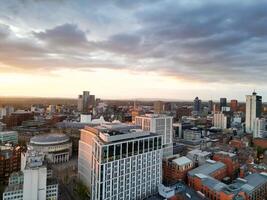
pixel 170 49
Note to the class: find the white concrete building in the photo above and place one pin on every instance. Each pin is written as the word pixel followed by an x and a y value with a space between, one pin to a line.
pixel 32 182
pixel 160 125
pixel 220 120
pixel 118 161
pixel 253 110
pixel 259 127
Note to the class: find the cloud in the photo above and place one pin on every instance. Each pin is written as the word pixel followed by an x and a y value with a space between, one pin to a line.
pixel 211 41
pixel 67 35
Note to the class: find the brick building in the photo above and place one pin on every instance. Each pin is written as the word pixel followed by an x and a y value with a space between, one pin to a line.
pixel 9 161
pixel 175 169
pixel 251 187
pixel 217 170
pixel 230 160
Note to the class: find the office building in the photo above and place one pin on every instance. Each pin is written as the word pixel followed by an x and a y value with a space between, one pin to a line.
pixel 223 103
pixel 253 110
pixel 80 103
pixel 158 107
pixel 57 148
pixel 9 161
pixel 234 105
pixel 220 121
pixel 210 105
pixel 120 161
pixel 32 182
pixel 9 137
pixel 197 105
pixel 160 125
pixel 260 130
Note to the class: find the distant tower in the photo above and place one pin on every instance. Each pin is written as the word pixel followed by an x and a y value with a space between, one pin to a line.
pixel 223 103
pixel 197 105
pixel 253 110
pixel 86 100
pixel 210 105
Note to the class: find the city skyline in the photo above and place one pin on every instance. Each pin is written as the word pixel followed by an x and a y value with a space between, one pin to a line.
pixel 140 49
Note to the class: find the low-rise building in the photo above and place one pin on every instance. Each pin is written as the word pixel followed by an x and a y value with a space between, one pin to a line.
pixel 9 137
pixel 175 169
pixel 230 160
pixel 9 161
pixel 212 168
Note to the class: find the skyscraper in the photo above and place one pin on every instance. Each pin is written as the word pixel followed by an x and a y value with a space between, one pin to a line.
pixel 120 161
pixel 210 105
pixel 158 107
pixel 253 110
pixel 234 105
pixel 86 100
pixel 80 103
pixel 223 103
pixel 197 105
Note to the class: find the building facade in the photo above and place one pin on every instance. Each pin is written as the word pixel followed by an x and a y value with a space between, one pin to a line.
pixel 220 120
pixel 9 161
pixel 253 110
pixel 160 125
pixel 118 161
pixel 175 169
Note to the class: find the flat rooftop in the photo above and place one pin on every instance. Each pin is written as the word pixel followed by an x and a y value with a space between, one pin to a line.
pixel 182 161
pixel 112 132
pixel 207 169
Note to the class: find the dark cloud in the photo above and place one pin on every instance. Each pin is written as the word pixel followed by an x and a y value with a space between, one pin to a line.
pixel 63 35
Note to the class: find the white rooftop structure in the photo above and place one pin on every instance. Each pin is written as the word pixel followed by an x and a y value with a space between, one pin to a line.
pixel 182 161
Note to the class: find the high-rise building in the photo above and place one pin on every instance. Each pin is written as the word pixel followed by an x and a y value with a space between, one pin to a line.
pixel 197 105
pixel 223 103
pixel 86 100
pixel 80 103
pixel 120 161
pixel 220 121
pixel 160 125
pixel 210 105
pixel 259 128
pixel 158 107
pixel 32 182
pixel 253 110
pixel 234 105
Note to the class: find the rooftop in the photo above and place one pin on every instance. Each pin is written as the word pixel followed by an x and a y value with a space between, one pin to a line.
pixel 182 161
pixel 155 116
pixel 206 169
pixel 226 153
pixel 49 139
pixel 253 181
pixel 111 132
